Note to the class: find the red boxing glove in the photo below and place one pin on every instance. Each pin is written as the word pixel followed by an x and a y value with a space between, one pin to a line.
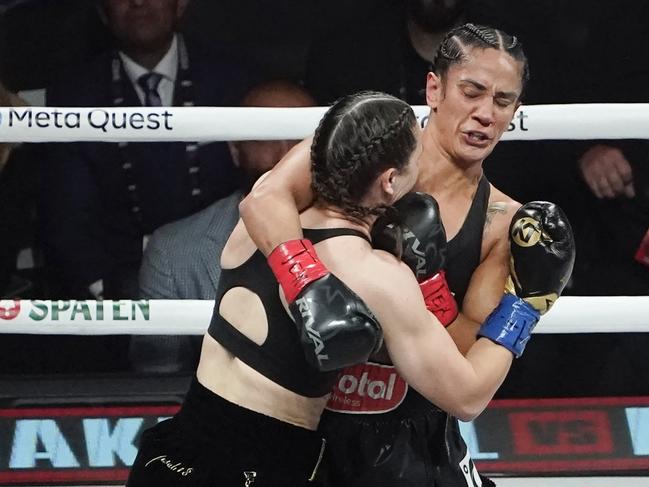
pixel 295 265
pixel 439 299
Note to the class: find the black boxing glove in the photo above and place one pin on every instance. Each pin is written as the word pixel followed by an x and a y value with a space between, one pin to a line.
pixel 542 248
pixel 542 251
pixel 417 233
pixel 336 328
pixel 386 233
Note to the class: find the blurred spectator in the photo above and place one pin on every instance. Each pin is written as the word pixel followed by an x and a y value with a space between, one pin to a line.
pixel 616 243
pixel 379 45
pixel 100 201
pixel 607 172
pixel 182 258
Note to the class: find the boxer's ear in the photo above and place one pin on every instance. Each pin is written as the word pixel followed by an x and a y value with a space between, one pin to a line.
pixel 387 180
pixel 434 90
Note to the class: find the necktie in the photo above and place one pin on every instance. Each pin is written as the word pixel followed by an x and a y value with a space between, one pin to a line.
pixel 149 83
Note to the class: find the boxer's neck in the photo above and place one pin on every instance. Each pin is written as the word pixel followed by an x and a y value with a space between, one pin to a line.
pixel 452 184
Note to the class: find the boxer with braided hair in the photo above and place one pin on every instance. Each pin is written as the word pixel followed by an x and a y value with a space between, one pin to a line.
pixel 400 439
pixel 251 413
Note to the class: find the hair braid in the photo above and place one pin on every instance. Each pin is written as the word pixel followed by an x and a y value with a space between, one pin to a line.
pixel 455 46
pixel 374 147
pixel 353 144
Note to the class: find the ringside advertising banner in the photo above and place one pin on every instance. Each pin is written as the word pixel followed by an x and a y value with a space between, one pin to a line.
pixel 98 444
pixel 107 317
pixel 75 444
pixel 208 124
pixel 570 314
pixel 561 435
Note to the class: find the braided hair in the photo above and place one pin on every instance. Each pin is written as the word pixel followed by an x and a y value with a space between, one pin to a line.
pixel 359 137
pixel 454 47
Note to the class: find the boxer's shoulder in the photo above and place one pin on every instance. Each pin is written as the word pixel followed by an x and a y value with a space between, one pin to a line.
pixel 500 210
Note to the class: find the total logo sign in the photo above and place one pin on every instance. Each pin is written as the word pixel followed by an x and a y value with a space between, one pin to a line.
pixel 9 309
pixel 367 389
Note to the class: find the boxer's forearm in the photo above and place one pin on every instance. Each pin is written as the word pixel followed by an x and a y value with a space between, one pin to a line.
pixel 464 332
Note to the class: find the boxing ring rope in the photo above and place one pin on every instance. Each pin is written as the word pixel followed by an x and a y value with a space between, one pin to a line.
pixel 207 124
pixel 570 314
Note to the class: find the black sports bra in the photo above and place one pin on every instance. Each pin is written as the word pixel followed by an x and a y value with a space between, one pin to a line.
pixel 280 358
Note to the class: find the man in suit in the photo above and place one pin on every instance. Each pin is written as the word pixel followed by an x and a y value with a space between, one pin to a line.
pixel 182 258
pixel 100 201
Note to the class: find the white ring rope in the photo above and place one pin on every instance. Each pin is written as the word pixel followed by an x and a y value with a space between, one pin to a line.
pixel 206 124
pixel 571 314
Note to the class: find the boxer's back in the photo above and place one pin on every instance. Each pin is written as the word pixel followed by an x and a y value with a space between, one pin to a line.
pixel 221 371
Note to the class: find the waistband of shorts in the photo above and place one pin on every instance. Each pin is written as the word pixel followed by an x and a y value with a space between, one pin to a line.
pixel 414 407
pixel 210 415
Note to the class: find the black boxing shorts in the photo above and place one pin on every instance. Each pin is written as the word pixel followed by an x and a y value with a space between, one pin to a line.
pixel 381 433
pixel 213 442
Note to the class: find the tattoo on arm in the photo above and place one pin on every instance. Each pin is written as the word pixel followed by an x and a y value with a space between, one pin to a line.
pixel 494 209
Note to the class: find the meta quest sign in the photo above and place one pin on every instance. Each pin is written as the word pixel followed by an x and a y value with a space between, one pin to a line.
pixel 98 444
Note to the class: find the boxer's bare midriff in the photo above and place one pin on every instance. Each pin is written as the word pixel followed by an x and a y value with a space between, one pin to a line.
pixel 226 375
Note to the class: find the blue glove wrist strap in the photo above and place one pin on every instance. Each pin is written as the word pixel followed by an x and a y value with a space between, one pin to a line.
pixel 511 324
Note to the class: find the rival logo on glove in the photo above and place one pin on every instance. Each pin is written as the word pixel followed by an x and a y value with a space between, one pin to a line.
pixel 368 388
pixel 315 337
pixel 420 255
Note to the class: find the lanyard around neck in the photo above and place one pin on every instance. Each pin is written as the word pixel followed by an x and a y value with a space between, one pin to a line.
pixel 183 96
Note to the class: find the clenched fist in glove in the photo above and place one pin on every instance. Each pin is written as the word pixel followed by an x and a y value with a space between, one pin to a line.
pixel 416 234
pixel 542 251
